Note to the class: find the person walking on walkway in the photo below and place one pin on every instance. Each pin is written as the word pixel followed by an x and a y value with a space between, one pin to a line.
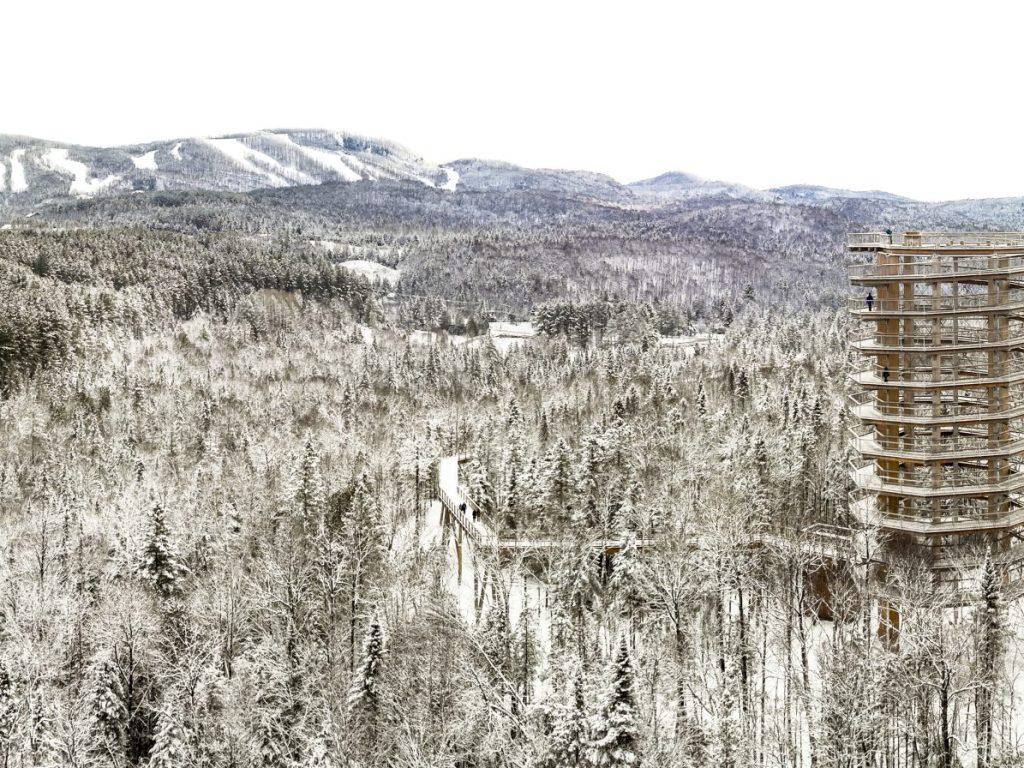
pixel 870 301
pixel 885 374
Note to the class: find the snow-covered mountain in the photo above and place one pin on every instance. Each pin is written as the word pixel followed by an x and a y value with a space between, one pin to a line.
pixel 36 172
pixel 675 186
pixel 34 169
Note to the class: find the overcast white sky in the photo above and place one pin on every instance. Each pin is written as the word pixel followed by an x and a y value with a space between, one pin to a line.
pixel 917 98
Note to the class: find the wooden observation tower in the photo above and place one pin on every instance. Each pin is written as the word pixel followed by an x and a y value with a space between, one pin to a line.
pixel 939 396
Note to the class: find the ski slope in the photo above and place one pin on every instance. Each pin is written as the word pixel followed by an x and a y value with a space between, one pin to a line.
pixel 57 159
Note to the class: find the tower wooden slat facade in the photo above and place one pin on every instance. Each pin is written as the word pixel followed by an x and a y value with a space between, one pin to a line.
pixel 939 400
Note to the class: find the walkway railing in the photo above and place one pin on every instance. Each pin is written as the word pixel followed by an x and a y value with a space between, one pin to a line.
pixel 936 239
pixel 476 530
pixel 939 344
pixel 949 483
pixel 965 301
pixel 924 377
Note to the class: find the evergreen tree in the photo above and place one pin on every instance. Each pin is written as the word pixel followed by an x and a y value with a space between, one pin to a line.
pixel 558 475
pixel 701 399
pixel 364 697
pixel 169 742
pixel 481 493
pixel 629 579
pixel 616 727
pixel 726 752
pixel 161 565
pixel 525 653
pixel 364 548
pixel 568 746
pixel 8 713
pixel 274 730
pixel 108 713
pixel 318 755
pixel 990 634
pixel 495 639
pixel 311 493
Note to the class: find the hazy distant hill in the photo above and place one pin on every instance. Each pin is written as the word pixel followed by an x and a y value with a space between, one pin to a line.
pixel 494 176
pixel 675 186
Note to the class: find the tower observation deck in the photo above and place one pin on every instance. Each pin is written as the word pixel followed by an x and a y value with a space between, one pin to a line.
pixel 939 392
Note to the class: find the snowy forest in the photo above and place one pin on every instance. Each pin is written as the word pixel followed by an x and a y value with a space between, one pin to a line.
pixel 222 543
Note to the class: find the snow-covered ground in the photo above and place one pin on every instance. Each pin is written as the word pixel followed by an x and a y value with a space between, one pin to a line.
pixel 689 344
pixel 689 341
pixel 176 151
pixel 422 338
pixel 506 336
pixel 328 245
pixel 506 343
pixel 57 159
pixel 260 164
pixel 372 270
pixel 332 161
pixel 523 330
pixel 425 338
pixel 453 180
pixel 369 335
pixel 146 162
pixel 18 182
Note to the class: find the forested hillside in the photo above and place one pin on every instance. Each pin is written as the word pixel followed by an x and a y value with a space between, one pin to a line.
pixel 219 454
pixel 217 476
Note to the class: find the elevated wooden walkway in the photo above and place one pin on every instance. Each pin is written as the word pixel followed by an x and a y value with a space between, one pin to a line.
pixel 825 542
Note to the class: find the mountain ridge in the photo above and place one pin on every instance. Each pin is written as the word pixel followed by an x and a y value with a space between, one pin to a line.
pixel 280 157
pixel 38 174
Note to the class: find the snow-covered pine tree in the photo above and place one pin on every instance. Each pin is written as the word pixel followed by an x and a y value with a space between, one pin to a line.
pixel 557 472
pixel 568 745
pixel 701 399
pixel 495 641
pixel 479 486
pixel 364 551
pixel 274 735
pixel 168 749
pixel 628 581
pixel 615 727
pixel 161 564
pixel 311 492
pixel 318 755
pixel 525 653
pixel 990 634
pixel 364 696
pixel 8 713
pixel 726 747
pixel 108 714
